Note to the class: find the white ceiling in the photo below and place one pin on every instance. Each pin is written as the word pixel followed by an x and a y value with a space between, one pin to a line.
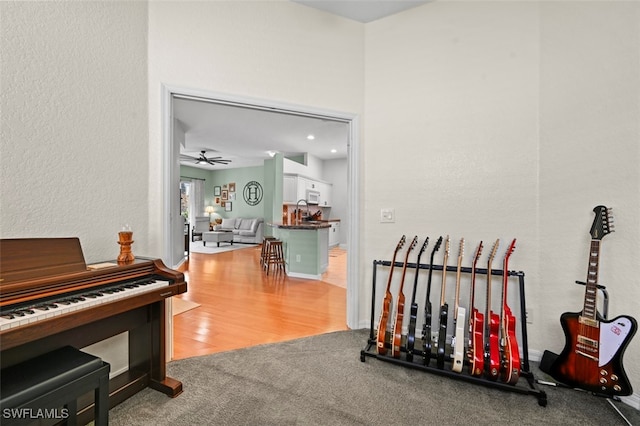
pixel 244 135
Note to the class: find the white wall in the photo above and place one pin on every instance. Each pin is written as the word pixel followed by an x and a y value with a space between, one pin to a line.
pixel 277 51
pixel 74 123
pixel 509 120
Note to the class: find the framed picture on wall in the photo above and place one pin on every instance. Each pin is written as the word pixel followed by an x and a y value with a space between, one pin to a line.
pixel 216 191
pixel 222 204
pixel 232 187
pixel 225 194
pixel 227 206
pixel 217 200
pixel 232 195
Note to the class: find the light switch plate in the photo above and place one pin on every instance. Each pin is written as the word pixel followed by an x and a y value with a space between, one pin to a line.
pixel 387 215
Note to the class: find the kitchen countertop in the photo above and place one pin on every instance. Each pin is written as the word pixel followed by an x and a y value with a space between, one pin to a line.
pixel 318 224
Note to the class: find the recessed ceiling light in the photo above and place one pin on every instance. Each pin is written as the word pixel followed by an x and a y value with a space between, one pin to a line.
pixel 311 137
pixel 333 151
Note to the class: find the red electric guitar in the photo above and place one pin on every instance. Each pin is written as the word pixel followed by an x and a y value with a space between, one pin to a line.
pixel 509 342
pixel 475 352
pixel 386 304
pixel 492 327
pixel 397 327
pixel 592 356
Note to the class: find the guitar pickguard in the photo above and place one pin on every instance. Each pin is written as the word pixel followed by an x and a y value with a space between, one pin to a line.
pixel 612 336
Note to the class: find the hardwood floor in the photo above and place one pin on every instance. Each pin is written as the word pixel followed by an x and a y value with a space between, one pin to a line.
pixel 241 306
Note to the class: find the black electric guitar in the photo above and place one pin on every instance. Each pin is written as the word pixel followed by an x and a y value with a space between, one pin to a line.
pixel 396 338
pixel 386 305
pixel 426 327
pixel 592 356
pixel 413 313
pixel 444 310
pixel 459 315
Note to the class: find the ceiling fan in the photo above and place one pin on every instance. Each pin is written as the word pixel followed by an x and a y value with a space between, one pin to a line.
pixel 204 159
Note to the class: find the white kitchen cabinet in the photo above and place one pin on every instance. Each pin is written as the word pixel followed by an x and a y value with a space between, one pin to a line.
pixel 295 188
pixel 334 234
pixel 289 189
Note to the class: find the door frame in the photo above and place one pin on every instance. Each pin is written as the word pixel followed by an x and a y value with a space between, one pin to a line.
pixel 171 178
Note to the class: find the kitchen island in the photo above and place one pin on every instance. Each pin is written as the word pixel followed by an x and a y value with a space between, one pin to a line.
pixel 306 247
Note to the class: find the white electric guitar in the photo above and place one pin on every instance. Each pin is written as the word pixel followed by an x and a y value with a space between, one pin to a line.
pixel 457 342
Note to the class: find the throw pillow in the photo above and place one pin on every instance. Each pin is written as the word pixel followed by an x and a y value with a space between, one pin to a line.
pixel 228 224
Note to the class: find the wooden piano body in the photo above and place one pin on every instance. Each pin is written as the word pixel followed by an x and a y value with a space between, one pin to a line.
pixel 32 270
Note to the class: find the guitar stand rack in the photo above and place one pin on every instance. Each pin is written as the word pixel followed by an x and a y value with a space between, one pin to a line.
pixel 526 389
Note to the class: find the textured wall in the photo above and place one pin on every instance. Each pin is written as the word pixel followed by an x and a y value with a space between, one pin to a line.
pixel 74 122
pixel 510 120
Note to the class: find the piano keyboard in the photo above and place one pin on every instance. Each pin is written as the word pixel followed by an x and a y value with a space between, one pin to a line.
pixel 16 316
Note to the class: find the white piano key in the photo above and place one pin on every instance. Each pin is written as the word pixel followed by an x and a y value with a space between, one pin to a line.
pixel 88 302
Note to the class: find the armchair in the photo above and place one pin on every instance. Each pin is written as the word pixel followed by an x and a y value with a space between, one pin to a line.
pixel 201 225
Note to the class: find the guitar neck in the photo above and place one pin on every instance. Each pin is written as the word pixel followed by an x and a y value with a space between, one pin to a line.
pixel 458 275
pixel 443 287
pixel 591 291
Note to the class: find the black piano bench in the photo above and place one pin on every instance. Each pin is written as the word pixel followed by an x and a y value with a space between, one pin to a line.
pixel 47 388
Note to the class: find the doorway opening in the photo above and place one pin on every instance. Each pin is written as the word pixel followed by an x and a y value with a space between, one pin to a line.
pixel 172 220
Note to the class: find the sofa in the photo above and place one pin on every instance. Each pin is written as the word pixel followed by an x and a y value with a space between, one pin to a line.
pixel 245 230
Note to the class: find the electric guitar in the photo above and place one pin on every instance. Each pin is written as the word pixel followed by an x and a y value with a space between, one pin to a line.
pixel 386 304
pixel 492 327
pixel 476 325
pixel 592 355
pixel 426 327
pixel 413 313
pixel 444 310
pixel 397 327
pixel 509 342
pixel 457 342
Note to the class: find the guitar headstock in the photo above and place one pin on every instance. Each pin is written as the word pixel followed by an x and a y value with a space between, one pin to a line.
pixel 478 253
pixel 424 246
pixel 437 246
pixel 510 250
pixel 414 242
pixel 493 252
pixel 461 249
pixel 400 243
pixel 602 224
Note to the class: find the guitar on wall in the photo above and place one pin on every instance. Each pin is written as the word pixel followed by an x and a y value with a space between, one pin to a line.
pixel 476 325
pixel 509 343
pixel 386 304
pixel 444 310
pixel 426 327
pixel 459 314
pixel 397 327
pixel 592 355
pixel 492 326
pixel 413 313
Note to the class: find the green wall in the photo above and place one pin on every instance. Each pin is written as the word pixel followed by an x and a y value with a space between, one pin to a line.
pixel 240 177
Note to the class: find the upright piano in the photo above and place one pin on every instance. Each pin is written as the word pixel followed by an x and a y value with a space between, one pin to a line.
pixel 49 298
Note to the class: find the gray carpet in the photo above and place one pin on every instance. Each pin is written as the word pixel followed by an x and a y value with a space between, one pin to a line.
pixel 321 381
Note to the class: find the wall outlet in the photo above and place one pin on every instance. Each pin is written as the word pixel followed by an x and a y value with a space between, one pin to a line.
pixel 529 315
pixel 297 258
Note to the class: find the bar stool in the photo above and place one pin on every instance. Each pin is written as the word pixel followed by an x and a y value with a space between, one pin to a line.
pixel 275 256
pixel 265 250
